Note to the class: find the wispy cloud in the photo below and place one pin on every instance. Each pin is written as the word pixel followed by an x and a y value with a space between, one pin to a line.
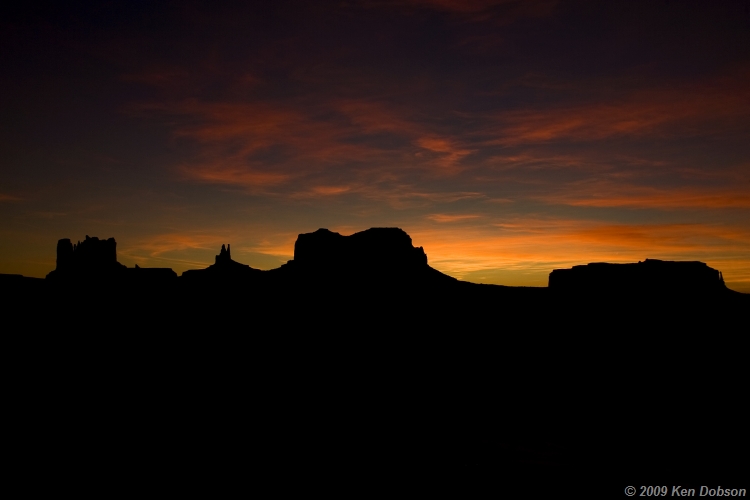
pixel 606 193
pixel 160 244
pixel 451 217
pixel 717 105
pixel 261 145
pixel 447 153
pixel 221 173
pixel 331 190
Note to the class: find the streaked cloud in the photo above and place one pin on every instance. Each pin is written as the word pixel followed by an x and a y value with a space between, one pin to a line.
pixel 718 105
pixel 450 217
pixel 237 176
pixel 611 194
pixel 159 244
pixel 331 190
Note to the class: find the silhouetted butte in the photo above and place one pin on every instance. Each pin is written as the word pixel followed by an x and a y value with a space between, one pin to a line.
pixel 649 277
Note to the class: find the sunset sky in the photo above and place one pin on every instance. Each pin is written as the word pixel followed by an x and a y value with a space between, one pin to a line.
pixel 508 138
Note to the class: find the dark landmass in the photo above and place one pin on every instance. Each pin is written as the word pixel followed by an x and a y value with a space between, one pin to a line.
pixel 357 356
pixel 644 277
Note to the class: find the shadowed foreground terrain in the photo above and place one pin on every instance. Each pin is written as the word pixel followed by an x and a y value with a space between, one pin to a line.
pixel 358 362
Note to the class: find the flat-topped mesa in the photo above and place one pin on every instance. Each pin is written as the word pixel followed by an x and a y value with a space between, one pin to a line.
pixel 376 249
pixel 89 257
pixel 648 277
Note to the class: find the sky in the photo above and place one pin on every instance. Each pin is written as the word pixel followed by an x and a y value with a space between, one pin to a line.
pixel 508 138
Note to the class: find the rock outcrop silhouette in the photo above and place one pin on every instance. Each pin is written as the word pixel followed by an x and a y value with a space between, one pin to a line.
pixel 96 260
pixel 373 257
pixel 384 257
pixel 140 274
pixel 223 269
pixel 90 258
pixel 381 248
pixel 649 277
pixel 381 254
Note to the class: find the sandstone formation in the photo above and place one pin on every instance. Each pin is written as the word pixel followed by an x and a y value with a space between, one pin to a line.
pixel 376 256
pixel 380 257
pixel 647 277
pixel 223 268
pixel 95 259
pixel 89 258
pixel 378 247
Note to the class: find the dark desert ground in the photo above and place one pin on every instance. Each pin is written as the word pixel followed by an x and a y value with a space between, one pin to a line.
pixel 357 365
pixel 482 248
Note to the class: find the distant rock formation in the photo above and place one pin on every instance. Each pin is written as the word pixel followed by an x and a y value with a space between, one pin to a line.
pixel 650 276
pixel 375 248
pixel 223 268
pixel 91 257
pixel 377 256
pixel 95 259
pixel 225 256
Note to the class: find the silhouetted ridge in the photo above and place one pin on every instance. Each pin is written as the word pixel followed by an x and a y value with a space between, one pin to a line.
pixel 151 273
pixel 650 276
pixel 382 257
pixel 18 281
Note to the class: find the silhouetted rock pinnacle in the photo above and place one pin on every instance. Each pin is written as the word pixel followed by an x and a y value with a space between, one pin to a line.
pixel 223 268
pixel 225 255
